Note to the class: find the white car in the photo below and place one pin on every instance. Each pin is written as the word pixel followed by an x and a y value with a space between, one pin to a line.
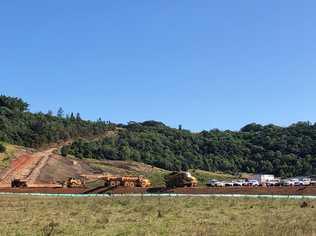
pixel 289 182
pixel 229 184
pixel 273 182
pixel 239 182
pixel 215 183
pixel 253 182
pixel 305 182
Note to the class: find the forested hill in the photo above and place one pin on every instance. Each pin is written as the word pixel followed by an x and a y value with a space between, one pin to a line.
pixel 285 152
pixel 21 127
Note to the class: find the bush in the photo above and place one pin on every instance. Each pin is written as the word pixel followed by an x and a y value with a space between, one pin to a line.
pixel 64 151
pixel 2 148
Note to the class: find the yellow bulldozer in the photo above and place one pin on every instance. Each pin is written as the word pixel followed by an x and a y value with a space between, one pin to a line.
pixel 180 179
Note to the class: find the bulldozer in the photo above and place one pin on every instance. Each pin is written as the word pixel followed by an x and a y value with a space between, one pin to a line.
pixel 126 181
pixel 180 179
pixel 18 183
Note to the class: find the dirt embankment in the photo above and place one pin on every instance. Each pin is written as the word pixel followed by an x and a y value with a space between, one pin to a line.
pixel 310 190
pixel 43 168
pixel 301 191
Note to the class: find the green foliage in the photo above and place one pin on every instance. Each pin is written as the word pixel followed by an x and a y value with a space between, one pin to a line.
pixel 2 148
pixel 262 149
pixel 64 151
pixel 282 151
pixel 14 104
pixel 18 126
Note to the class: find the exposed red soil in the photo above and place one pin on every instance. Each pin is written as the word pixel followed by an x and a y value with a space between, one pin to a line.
pixel 44 190
pixel 311 190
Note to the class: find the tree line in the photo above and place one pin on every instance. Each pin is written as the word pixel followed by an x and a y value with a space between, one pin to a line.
pixel 21 127
pixel 285 152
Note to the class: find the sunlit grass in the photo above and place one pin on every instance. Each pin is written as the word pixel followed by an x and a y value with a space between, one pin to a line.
pixel 154 216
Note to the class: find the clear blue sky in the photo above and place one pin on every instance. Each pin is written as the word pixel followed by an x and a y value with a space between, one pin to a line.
pixel 202 64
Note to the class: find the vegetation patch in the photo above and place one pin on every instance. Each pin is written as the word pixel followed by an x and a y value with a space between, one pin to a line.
pixel 155 216
pixel 285 152
pixel 7 155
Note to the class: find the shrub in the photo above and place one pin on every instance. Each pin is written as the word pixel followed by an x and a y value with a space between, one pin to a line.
pixel 2 148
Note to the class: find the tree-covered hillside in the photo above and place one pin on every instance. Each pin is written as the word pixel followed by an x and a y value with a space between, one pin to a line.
pixel 286 151
pixel 18 126
pixel 262 149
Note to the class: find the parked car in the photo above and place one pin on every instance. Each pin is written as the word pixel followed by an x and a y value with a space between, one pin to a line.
pixel 229 183
pixel 305 181
pixel 274 182
pixel 215 183
pixel 289 182
pixel 253 182
pixel 239 182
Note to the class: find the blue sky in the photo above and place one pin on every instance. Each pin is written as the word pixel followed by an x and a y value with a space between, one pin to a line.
pixel 202 64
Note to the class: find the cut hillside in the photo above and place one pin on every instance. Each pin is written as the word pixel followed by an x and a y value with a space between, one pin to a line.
pixel 47 168
pixel 154 174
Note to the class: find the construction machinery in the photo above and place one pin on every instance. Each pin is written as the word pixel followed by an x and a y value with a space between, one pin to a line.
pixel 126 181
pixel 109 181
pixel 74 182
pixel 180 179
pixel 18 183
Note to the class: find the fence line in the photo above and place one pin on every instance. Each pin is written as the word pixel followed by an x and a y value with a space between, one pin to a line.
pixel 300 197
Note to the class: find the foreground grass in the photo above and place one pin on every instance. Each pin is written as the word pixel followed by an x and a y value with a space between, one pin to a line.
pixel 154 216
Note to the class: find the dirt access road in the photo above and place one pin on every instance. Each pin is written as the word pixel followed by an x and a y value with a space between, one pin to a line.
pixel 26 166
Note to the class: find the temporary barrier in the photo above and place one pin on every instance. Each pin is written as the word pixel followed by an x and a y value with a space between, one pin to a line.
pixel 300 197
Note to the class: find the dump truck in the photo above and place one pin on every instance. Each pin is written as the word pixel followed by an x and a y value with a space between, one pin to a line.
pixel 180 179
pixel 126 181
pixel 18 183
pixel 74 182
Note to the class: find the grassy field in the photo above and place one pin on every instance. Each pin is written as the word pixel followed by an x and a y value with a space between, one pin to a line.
pixel 154 216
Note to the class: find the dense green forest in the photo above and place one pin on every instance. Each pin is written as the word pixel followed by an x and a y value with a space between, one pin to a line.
pixel 21 127
pixel 255 149
pixel 283 151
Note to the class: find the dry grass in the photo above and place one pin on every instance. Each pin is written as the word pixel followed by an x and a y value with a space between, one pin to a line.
pixel 9 154
pixel 154 216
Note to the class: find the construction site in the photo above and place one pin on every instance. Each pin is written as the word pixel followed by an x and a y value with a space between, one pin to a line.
pixel 48 172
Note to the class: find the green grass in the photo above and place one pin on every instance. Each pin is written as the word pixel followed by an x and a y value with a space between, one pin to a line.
pixel 154 216
pixel 7 155
pixel 203 176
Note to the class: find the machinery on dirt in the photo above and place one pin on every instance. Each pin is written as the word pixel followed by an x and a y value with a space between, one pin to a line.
pixel 126 181
pixel 180 179
pixel 18 183
pixel 109 181
pixel 75 182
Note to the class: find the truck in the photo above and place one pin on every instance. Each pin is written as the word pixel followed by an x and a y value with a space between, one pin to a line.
pixel 180 179
pixel 74 182
pixel 126 181
pixel 18 183
pixel 109 181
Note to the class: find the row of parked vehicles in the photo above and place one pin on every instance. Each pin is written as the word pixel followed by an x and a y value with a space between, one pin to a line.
pixel 255 183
